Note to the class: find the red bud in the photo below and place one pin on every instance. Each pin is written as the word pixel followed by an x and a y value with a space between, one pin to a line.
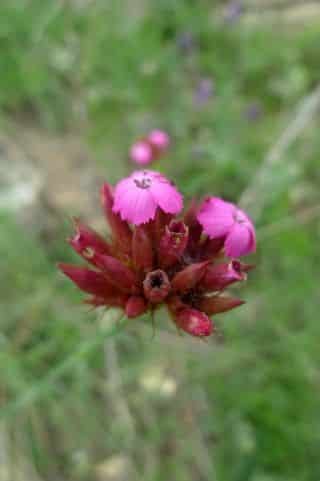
pixel 173 243
pixel 135 306
pixel 194 322
pixel 190 276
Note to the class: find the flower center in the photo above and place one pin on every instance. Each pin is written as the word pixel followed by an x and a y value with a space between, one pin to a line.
pixel 156 286
pixel 156 281
pixel 143 183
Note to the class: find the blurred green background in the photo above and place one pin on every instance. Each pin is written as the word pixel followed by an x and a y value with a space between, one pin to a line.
pixel 236 84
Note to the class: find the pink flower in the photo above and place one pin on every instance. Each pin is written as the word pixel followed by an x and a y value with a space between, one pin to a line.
pixel 159 139
pixel 223 219
pixel 141 153
pixel 137 197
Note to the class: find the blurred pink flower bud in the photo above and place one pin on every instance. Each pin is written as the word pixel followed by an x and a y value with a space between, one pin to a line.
pixel 159 139
pixel 141 153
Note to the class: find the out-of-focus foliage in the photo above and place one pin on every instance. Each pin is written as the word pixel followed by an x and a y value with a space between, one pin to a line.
pixel 245 408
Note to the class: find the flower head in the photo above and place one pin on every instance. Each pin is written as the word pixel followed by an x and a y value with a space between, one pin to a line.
pixel 220 219
pixel 137 197
pixel 153 258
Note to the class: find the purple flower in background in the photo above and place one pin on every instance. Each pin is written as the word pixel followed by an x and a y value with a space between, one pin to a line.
pixel 203 92
pixel 233 12
pixel 141 153
pixel 253 111
pixel 186 42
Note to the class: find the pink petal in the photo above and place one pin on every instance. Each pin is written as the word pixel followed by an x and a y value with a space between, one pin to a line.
pixel 240 241
pixel 166 195
pixel 137 206
pixel 216 217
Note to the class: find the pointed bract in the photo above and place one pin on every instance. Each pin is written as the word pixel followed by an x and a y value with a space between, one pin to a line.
pixel 219 276
pixel 87 242
pixel 87 280
pixel 118 274
pixel 216 304
pixel 142 252
pixel 120 230
pixel 189 276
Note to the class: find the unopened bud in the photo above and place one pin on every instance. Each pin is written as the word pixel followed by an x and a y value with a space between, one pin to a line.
pixel 173 243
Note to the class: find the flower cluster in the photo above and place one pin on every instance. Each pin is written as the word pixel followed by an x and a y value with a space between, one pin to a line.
pixel 155 257
pixel 150 148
